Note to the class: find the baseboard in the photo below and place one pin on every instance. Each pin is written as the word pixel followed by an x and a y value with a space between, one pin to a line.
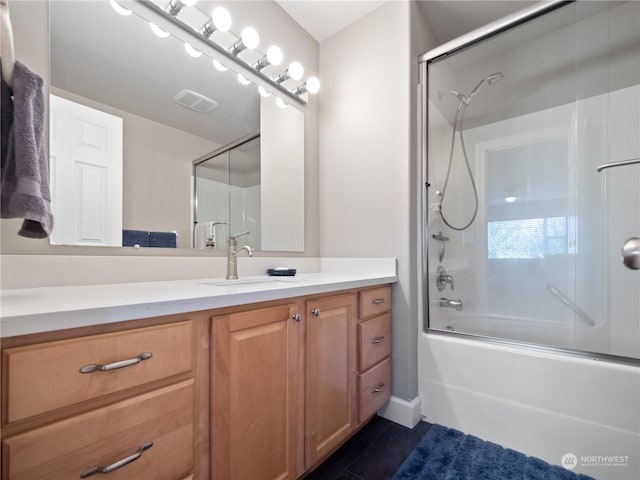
pixel 402 412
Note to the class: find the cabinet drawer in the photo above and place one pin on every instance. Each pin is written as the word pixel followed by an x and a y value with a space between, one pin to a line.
pixel 54 367
pixel 67 449
pixel 375 341
pixel 374 302
pixel 374 390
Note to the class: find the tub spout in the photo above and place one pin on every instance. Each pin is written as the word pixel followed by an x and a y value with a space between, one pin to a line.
pixel 445 302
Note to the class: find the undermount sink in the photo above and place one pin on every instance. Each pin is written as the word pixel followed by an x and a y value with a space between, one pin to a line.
pixel 249 281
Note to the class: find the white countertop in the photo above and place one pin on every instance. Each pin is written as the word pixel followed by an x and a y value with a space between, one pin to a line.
pixel 33 310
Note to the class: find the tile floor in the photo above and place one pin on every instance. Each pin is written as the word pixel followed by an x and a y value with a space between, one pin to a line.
pixel 374 453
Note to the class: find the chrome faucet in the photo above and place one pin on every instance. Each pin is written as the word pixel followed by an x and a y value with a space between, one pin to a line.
pixel 445 302
pixel 232 260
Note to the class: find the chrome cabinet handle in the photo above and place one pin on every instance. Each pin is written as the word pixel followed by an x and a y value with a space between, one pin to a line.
pixel 296 316
pixel 116 365
pixel 378 389
pixel 378 301
pixel 119 464
pixel 316 312
pixel 631 253
pixel 379 339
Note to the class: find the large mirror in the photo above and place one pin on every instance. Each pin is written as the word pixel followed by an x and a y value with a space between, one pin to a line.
pixel 134 122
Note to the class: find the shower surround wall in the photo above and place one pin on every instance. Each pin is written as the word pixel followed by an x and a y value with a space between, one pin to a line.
pixel 519 288
pixel 541 402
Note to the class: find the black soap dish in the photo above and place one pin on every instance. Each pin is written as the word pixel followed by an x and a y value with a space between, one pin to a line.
pixel 281 272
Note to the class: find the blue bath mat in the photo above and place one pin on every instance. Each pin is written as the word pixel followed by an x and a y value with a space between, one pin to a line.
pixel 447 454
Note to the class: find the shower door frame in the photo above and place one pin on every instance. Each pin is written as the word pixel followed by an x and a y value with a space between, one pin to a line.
pixel 438 53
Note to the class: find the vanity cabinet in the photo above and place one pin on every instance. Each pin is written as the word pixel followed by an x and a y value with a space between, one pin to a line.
pixel 126 402
pixel 262 391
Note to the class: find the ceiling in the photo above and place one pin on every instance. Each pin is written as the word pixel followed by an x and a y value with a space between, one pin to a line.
pixel 451 18
pixel 448 19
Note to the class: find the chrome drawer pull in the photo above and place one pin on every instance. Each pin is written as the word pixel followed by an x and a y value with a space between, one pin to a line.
pixel 378 340
pixel 119 463
pixel 116 365
pixel 378 389
pixel 316 312
pixel 296 316
pixel 378 301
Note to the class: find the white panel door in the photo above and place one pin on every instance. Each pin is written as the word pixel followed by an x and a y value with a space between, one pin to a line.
pixel 86 174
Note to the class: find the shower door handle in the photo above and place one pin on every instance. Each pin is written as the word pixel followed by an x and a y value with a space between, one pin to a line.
pixel 622 163
pixel 631 253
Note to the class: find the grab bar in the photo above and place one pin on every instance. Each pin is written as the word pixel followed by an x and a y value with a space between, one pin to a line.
pixel 572 306
pixel 621 163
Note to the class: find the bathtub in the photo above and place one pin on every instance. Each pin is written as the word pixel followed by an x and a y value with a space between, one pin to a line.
pixel 541 403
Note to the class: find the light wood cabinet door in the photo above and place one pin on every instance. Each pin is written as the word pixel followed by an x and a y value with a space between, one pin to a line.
pixel 257 394
pixel 330 374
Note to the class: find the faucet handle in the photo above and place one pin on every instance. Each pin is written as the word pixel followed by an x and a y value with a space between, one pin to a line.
pixel 235 237
pixel 443 278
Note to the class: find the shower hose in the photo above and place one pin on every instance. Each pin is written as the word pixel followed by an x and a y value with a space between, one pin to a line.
pixel 458 124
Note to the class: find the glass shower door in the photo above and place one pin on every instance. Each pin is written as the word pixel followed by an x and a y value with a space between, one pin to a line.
pixel 523 233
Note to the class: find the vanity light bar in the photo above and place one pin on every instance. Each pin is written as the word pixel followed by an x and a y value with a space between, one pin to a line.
pixel 201 36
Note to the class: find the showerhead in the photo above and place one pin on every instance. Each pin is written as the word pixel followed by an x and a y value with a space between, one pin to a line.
pixel 491 80
pixel 494 78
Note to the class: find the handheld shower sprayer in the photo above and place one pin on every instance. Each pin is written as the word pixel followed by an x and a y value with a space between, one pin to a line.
pixel 490 79
pixel 463 102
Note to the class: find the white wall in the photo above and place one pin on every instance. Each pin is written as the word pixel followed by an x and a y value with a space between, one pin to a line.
pixel 367 176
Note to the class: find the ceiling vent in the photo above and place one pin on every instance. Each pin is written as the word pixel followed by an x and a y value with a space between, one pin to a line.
pixel 194 101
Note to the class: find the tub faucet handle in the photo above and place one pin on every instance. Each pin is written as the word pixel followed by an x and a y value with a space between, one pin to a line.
pixel 443 278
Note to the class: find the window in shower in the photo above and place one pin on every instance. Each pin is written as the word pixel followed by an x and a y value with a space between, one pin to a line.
pixel 514 137
pixel 531 238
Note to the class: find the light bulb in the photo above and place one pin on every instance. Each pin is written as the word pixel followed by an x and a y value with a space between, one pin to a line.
pixel 263 92
pixel 158 31
pixel 192 51
pixel 220 67
pixel 313 85
pixel 281 103
pixel 250 37
pixel 119 8
pixel 243 80
pixel 221 19
pixel 510 199
pixel 295 71
pixel 274 55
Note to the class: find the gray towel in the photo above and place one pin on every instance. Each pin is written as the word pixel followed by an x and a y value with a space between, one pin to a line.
pixel 24 169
